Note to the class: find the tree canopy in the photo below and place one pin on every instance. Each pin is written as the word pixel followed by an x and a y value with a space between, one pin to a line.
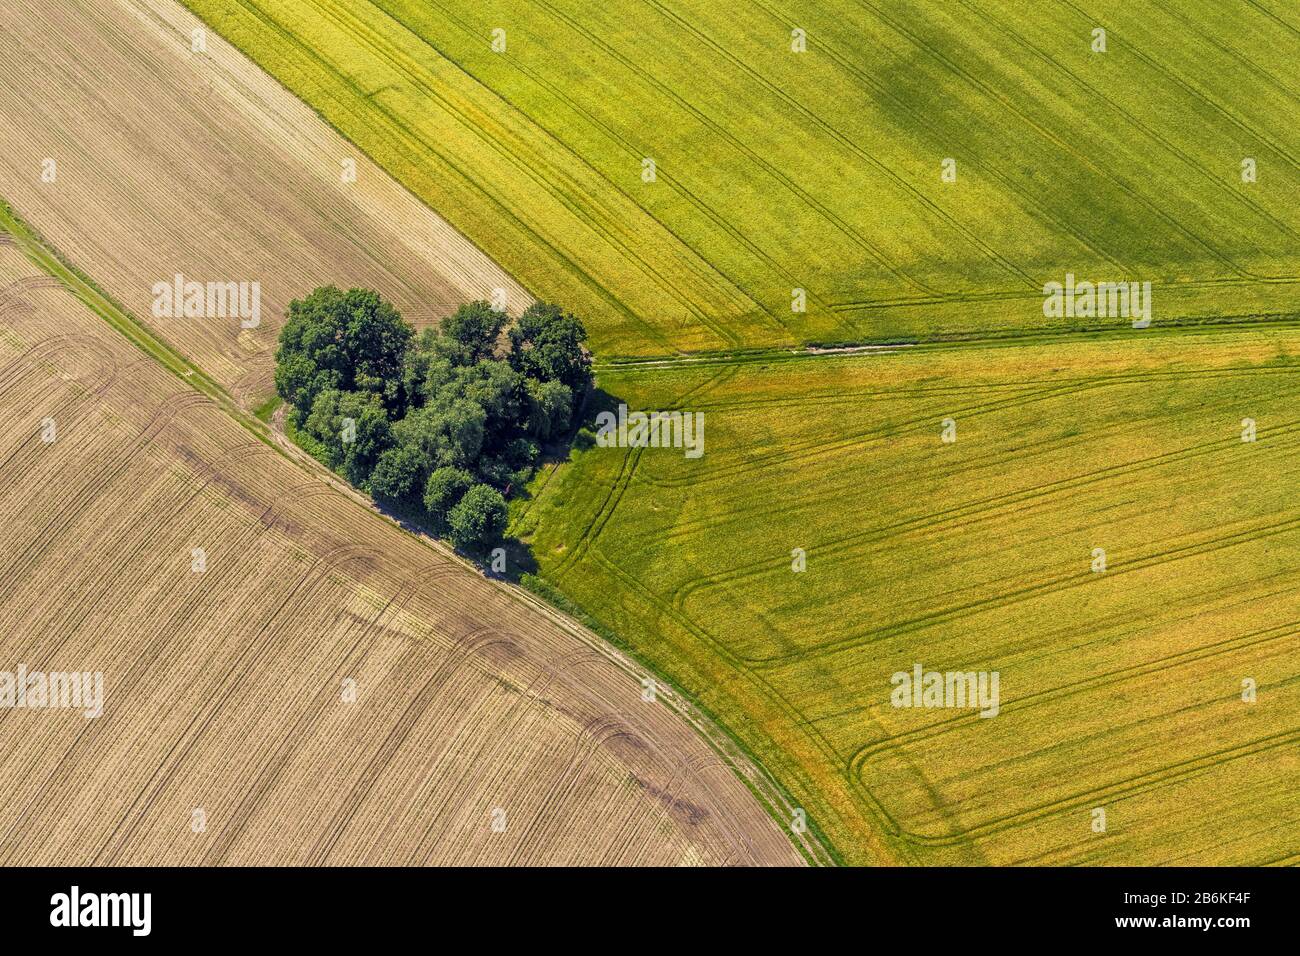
pixel 443 423
pixel 350 341
pixel 546 344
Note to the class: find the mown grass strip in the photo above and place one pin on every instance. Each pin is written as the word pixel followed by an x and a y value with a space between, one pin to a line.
pixel 45 258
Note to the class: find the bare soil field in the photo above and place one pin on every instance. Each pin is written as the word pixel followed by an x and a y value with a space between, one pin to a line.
pixel 209 169
pixel 287 677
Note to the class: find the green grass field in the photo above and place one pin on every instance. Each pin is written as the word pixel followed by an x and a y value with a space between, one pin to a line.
pixel 821 170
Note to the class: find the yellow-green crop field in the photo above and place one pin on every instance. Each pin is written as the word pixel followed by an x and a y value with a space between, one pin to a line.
pixel 822 170
pixel 1103 515
pixel 1120 688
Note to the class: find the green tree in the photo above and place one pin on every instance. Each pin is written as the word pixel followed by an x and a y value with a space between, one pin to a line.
pixel 350 341
pixel 443 491
pixel 469 335
pixel 299 380
pixel 498 390
pixel 547 344
pixel 353 429
pixel 550 409
pixel 416 367
pixel 449 433
pixel 479 519
pixel 399 474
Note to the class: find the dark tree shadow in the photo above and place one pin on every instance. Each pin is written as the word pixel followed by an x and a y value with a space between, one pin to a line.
pixel 581 437
pixel 519 558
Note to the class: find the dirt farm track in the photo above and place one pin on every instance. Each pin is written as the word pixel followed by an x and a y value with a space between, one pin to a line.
pixel 210 170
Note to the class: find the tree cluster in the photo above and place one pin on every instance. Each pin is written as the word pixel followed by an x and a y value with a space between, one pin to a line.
pixel 442 423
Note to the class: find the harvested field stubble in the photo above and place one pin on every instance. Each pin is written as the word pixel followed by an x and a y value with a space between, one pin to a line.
pixel 227 733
